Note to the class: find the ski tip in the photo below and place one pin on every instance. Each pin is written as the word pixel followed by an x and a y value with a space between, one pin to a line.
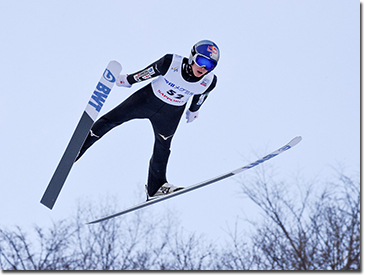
pixel 299 138
pixel 295 141
pixel 116 65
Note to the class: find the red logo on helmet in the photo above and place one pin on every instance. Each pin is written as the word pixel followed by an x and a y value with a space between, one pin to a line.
pixel 213 50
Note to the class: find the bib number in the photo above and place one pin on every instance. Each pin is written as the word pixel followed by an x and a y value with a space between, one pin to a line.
pixel 174 94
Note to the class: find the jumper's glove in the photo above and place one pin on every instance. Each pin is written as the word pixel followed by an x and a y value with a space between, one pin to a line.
pixel 190 116
pixel 122 81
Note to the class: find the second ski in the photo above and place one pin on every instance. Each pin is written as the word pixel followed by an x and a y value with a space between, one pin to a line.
pixel 286 147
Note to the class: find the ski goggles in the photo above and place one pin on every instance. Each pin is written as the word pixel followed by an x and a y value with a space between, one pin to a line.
pixel 203 61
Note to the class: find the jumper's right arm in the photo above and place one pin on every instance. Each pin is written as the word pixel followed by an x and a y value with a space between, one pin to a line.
pixel 157 68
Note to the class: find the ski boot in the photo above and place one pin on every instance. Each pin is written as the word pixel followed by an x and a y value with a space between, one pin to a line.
pixel 165 189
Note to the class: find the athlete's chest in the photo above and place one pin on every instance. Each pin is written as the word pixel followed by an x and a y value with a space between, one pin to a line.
pixel 173 88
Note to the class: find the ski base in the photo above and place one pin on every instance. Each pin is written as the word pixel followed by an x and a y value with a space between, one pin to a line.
pixel 286 147
pixel 87 119
pixel 64 166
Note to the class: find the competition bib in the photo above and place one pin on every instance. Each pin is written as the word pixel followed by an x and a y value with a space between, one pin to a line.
pixel 173 89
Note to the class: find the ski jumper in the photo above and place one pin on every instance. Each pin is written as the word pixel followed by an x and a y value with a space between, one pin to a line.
pixel 162 101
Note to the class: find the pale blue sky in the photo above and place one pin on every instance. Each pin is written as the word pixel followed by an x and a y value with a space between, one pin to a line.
pixel 287 68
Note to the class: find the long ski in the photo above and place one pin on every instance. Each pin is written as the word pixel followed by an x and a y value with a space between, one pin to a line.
pixel 88 118
pixel 286 147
